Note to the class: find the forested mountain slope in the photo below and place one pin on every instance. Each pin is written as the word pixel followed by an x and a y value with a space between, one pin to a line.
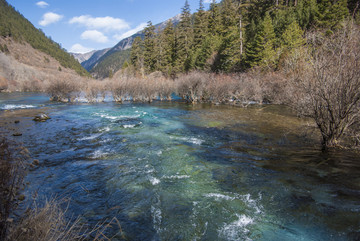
pixel 13 25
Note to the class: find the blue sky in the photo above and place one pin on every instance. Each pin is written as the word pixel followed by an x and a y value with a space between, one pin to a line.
pixel 85 25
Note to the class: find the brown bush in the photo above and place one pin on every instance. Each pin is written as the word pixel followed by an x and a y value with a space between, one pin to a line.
pixel 66 90
pixel 95 89
pixel 327 86
pixel 191 86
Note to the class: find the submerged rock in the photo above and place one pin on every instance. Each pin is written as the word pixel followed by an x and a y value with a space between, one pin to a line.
pixel 17 134
pixel 41 118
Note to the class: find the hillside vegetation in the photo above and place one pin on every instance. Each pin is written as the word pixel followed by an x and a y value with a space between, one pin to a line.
pixel 14 25
pixel 235 36
pixel 110 64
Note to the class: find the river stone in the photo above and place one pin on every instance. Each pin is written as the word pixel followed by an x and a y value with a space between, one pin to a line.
pixel 17 134
pixel 41 118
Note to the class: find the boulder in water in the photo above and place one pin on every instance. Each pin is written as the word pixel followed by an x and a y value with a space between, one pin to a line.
pixel 41 118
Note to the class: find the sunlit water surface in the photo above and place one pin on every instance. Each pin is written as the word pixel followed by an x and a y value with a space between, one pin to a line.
pixel 171 171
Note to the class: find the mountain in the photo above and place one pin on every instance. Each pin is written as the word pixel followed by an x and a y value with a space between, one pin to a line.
pixel 13 25
pixel 115 57
pixel 89 63
pixel 83 57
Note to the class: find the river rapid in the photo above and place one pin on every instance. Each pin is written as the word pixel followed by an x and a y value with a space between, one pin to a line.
pixel 173 171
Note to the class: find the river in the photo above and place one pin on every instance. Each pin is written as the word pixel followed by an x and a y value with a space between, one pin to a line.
pixel 173 171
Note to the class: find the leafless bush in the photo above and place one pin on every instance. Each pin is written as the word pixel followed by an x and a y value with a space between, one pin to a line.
pixel 13 159
pixel 118 88
pixel 327 87
pixel 66 90
pixel 191 86
pixel 95 89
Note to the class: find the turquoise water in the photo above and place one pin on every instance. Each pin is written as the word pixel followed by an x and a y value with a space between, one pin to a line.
pixel 171 171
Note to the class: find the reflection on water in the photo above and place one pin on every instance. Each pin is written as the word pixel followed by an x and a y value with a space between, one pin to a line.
pixel 170 171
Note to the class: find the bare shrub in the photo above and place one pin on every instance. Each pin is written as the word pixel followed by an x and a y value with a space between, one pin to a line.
pixel 63 90
pixel 118 88
pixel 165 88
pixel 327 86
pixel 95 89
pixel 218 88
pixel 3 83
pixel 191 86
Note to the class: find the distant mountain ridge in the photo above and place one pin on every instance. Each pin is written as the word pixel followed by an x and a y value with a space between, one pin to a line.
pixel 102 62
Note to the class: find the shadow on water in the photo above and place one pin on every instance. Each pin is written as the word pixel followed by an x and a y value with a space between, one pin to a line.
pixel 172 171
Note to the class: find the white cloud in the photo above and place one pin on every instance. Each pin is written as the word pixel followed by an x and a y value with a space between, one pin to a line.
pixel 78 48
pixel 209 1
pixel 100 23
pixel 42 4
pixel 50 18
pixel 140 27
pixel 95 36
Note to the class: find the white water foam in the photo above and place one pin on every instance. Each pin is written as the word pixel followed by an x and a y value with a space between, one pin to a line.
pixel 111 117
pixel 236 230
pixel 232 196
pixel 128 126
pixel 176 177
pixel 219 196
pixel 154 181
pixel 98 154
pixel 13 107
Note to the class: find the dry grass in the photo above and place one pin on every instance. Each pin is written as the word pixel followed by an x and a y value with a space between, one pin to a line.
pixel 13 159
pixel 49 223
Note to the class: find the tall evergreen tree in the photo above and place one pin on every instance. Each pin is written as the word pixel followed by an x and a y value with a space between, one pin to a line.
pixel 333 13
pixel 307 13
pixel 214 19
pixel 261 51
pixel 229 16
pixel 184 40
pixel 149 48
pixel 200 25
pixel 293 37
pixel 136 54
pixel 167 39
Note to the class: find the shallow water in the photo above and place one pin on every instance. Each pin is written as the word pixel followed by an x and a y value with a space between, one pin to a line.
pixel 171 171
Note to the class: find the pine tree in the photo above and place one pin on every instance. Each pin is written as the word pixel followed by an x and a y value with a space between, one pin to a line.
pixel 332 13
pixel 229 16
pixel 184 40
pixel 136 54
pixel 149 48
pixel 229 52
pixel 307 13
pixel 167 40
pixel 214 19
pixel 261 51
pixel 293 37
pixel 200 26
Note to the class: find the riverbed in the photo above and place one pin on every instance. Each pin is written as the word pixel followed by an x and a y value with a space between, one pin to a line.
pixel 174 171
